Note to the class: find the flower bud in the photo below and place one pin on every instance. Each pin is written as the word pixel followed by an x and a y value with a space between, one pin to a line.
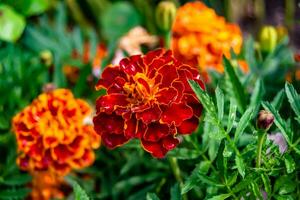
pixel 265 120
pixel 165 14
pixel 268 38
pixel 46 57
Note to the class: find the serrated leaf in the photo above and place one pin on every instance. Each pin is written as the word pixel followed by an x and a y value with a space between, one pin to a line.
pixel 290 164
pixel 184 153
pixel 240 165
pixel 267 183
pixel 235 84
pixel 278 99
pixel 175 192
pixel 293 98
pixel 79 193
pixel 284 185
pixel 257 95
pixel 256 190
pixel 250 53
pixel 220 197
pixel 243 123
pixel 220 103
pixel 231 115
pixel 152 196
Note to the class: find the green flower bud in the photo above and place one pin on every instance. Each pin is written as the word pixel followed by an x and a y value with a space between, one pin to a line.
pixel 268 38
pixel 46 57
pixel 165 14
pixel 265 120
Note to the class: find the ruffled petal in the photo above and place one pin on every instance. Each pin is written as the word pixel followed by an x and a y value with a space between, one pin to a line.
pixel 188 126
pixel 176 113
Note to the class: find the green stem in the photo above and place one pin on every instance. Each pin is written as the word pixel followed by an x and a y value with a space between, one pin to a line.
pixel 177 173
pixel 167 39
pixel 260 143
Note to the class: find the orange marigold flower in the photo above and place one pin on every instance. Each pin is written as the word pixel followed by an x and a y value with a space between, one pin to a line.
pixel 201 37
pixel 53 134
pixel 149 98
pixel 46 186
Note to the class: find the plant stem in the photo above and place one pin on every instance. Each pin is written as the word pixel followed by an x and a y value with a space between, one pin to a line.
pixel 167 39
pixel 177 173
pixel 260 143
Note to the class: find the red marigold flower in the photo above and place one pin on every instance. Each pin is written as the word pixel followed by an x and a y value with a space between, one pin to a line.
pixel 52 133
pixel 149 98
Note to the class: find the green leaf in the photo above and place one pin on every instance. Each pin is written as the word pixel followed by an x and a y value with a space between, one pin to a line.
pixel 231 115
pixel 9 194
pixel 235 85
pixel 240 165
pixel 4 123
pixel 280 123
pixel 250 53
pixel 293 98
pixel 243 123
pixel 125 17
pixel 256 190
pixel 257 95
pixel 220 103
pixel 220 197
pixel 34 7
pixel 184 153
pixel 284 185
pixel 15 180
pixel 289 163
pixel 277 101
pixel 11 24
pixel 152 196
pixel 267 183
pixel 80 194
pixel 175 192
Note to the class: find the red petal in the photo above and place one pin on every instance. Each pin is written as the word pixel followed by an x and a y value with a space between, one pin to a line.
pixel 156 149
pixel 169 73
pixel 166 95
pixel 170 142
pixel 130 128
pixel 177 113
pixel 61 153
pixel 150 115
pixel 130 66
pixel 108 123
pixel 188 126
pixel 109 103
pixel 156 131
pixel 113 140
pixel 108 77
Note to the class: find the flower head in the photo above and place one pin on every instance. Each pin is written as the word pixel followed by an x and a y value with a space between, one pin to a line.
pixel 51 133
pixel 201 37
pixel 149 98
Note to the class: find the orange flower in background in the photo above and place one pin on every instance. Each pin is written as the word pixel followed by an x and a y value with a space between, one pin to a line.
pixel 54 133
pixel 201 37
pixel 148 98
pixel 46 186
pixel 72 72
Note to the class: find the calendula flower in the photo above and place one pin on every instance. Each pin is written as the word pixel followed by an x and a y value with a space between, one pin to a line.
pixel 52 134
pixel 45 186
pixel 149 98
pixel 201 37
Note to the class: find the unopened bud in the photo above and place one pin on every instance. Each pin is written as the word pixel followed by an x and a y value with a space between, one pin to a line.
pixel 46 57
pixel 268 38
pixel 265 120
pixel 165 14
pixel 49 87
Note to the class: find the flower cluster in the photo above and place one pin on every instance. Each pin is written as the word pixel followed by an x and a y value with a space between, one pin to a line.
pixel 53 133
pixel 149 98
pixel 201 37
